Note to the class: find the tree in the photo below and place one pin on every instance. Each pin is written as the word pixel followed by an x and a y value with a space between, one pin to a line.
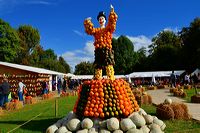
pixel 165 38
pixel 124 55
pixel 64 64
pixel 49 54
pixel 191 48
pixel 29 39
pixel 9 42
pixel 164 51
pixel 84 68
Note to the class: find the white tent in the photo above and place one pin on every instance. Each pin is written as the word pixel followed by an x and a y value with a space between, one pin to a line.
pixel 154 73
pixel 91 76
pixel 195 72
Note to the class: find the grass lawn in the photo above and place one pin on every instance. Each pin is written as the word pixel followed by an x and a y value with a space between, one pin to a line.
pixel 190 93
pixel 47 107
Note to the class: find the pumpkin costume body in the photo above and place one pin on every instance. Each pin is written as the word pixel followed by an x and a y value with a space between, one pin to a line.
pixel 104 98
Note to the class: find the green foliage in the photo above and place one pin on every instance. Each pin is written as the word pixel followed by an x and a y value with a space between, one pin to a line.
pixel 64 64
pixel 84 68
pixel 29 39
pixel 191 40
pixel 9 42
pixel 124 55
pixel 165 38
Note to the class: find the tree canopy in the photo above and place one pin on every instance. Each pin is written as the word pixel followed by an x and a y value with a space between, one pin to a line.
pixel 9 42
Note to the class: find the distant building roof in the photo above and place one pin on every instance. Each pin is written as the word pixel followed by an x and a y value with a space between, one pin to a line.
pixel 30 68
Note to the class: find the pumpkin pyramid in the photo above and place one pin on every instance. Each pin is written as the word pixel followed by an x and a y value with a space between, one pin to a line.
pixel 104 99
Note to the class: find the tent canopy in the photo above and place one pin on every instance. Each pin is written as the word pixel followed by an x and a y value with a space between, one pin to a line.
pixel 154 73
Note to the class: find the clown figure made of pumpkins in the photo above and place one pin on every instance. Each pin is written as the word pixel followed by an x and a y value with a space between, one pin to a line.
pixel 104 97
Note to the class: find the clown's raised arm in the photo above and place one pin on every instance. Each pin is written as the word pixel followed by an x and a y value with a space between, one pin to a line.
pixel 89 27
pixel 112 19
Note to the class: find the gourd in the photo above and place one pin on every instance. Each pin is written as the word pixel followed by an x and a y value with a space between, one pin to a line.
pixel 127 124
pixel 86 123
pixel 138 120
pixel 51 129
pixel 74 124
pixel 113 124
pixel 62 129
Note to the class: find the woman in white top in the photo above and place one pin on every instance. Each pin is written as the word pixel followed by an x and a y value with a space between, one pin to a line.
pixel 21 88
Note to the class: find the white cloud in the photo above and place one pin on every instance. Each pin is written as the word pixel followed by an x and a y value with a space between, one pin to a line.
pixel 79 33
pixel 140 41
pixel 8 6
pixel 77 56
pixel 175 30
pixel 39 2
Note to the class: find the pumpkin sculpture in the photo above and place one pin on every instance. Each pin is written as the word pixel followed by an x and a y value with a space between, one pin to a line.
pixel 104 98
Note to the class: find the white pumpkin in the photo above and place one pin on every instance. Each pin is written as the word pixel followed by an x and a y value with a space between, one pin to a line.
pixel 145 129
pixel 51 129
pixel 74 124
pixel 158 122
pixel 138 120
pixel 134 131
pixel 62 129
pixel 163 126
pixel 82 131
pixel 142 112
pixel 118 131
pixel 87 123
pixel 168 101
pixel 127 124
pixel 104 131
pixel 112 124
pixel 148 119
pixel 93 130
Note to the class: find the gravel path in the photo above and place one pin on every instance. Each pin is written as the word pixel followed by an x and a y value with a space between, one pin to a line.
pixel 158 96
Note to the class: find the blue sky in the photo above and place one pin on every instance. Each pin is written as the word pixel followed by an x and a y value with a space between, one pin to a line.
pixel 60 22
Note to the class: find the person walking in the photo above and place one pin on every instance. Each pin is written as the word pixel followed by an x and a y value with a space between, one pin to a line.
pixel 64 85
pixel 59 85
pixel 5 90
pixel 173 79
pixel 21 87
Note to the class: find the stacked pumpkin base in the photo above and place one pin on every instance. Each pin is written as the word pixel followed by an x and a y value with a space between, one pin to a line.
pixel 105 99
pixel 105 106
pixel 137 122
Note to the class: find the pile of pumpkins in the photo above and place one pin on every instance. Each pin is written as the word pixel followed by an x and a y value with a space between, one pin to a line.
pixel 136 122
pixel 105 99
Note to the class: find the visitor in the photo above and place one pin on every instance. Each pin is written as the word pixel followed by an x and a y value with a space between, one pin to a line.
pixel 173 79
pixel 21 87
pixel 64 85
pixel 187 79
pixel 45 87
pixel 4 91
pixel 59 85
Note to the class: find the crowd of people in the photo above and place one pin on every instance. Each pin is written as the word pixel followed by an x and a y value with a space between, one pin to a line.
pixel 5 92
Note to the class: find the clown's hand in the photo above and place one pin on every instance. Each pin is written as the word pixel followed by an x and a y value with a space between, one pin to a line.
pixel 89 18
pixel 112 8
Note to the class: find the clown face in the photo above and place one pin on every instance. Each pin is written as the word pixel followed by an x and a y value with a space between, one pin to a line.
pixel 102 21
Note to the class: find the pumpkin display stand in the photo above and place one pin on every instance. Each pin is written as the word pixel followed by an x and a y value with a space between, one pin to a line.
pixel 105 105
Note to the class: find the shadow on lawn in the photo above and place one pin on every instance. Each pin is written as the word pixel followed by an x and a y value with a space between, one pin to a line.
pixel 34 125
